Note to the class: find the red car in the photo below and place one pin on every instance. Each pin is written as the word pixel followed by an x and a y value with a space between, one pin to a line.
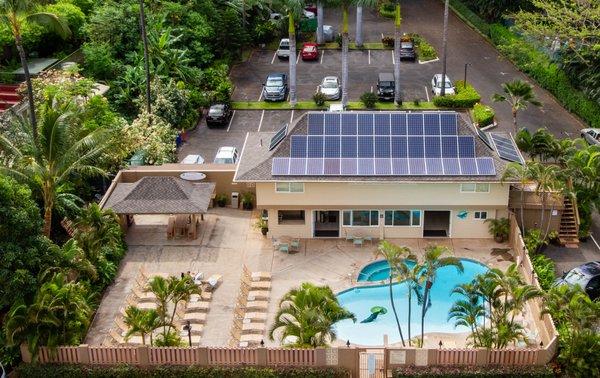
pixel 309 51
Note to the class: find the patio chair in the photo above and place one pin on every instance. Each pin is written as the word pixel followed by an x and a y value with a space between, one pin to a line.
pixel 349 238
pixel 358 242
pixel 368 239
pixel 295 245
pixel 284 247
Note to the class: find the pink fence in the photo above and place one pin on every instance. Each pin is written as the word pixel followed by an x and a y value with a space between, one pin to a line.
pixel 457 356
pixel 291 357
pixel 112 355
pixel 172 356
pixel 60 355
pixel 232 356
pixel 513 357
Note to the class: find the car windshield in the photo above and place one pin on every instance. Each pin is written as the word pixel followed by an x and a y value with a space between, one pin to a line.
pixel 576 277
pixel 448 84
pixel 330 84
pixel 274 83
pixel 386 84
pixel 406 45
pixel 213 111
pixel 309 48
pixel 284 47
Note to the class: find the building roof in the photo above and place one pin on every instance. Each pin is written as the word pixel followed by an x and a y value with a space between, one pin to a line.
pixel 256 161
pixel 161 195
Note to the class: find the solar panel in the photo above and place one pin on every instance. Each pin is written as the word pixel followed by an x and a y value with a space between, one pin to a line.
pixel 331 147
pixel 348 124
pixel 365 147
pixel 278 137
pixel 315 123
pixel 449 146
pixel 297 167
pixel 431 123
pixel 448 123
pixel 399 147
pixel 365 167
pixel 314 167
pixel 485 166
pixel 451 166
pixel 383 167
pixel 415 147
pixel 382 147
pixel 348 167
pixel 281 166
pixel 298 146
pixel 314 148
pixel 468 166
pixel 348 147
pixel 415 124
pixel 382 124
pixel 332 124
pixel 365 124
pixel 331 167
pixel 417 167
pixel 506 147
pixel 398 124
pixel 400 167
pixel 434 167
pixel 484 137
pixel 432 147
pixel 466 146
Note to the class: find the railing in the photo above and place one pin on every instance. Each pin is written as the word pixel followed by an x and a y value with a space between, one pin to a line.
pixel 291 357
pixel 232 356
pixel 457 356
pixel 513 356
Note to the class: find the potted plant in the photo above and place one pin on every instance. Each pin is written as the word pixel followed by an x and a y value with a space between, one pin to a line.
pixel 247 200
pixel 221 199
pixel 262 225
pixel 499 228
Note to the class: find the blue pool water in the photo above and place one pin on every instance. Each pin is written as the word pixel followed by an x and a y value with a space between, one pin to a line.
pixel 360 300
pixel 378 271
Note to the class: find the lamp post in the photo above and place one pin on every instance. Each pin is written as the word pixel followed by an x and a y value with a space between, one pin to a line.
pixel 188 327
pixel 465 82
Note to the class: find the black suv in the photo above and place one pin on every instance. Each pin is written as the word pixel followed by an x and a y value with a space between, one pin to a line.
pixel 275 87
pixel 218 115
pixel 407 49
pixel 386 86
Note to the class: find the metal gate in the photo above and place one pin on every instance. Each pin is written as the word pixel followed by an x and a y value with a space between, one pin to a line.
pixel 371 364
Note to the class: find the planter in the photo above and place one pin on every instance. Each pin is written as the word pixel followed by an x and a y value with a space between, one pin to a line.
pixel 247 206
pixel 264 231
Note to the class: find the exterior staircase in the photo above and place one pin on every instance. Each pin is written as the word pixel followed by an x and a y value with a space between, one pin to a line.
pixel 8 96
pixel 568 234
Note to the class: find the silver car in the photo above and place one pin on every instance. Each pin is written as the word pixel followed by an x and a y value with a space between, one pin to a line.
pixel 592 136
pixel 330 88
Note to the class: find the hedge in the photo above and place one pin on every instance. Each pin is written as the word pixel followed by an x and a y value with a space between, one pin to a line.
pixel 483 115
pixel 535 64
pixel 171 371
pixel 474 371
pixel 464 97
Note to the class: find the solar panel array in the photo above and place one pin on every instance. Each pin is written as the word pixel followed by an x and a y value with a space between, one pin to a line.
pixel 380 144
pixel 506 147
pixel 278 137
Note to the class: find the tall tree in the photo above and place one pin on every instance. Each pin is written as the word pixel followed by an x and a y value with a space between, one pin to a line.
pixel 15 13
pixel 141 322
pixel 395 256
pixel 146 58
pixel 467 312
pixel 521 173
pixel 397 42
pixel 294 10
pixel 519 95
pixel 49 165
pixel 445 48
pixel 412 278
pixel 547 182
pixel 432 262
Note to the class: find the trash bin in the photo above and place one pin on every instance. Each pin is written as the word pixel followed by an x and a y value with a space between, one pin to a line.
pixel 235 196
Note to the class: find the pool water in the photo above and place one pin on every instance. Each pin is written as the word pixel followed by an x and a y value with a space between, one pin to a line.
pixel 360 300
pixel 378 271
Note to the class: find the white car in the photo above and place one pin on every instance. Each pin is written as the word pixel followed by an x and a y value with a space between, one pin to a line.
pixel 436 85
pixel 193 159
pixel 308 14
pixel 592 136
pixel 330 88
pixel 283 52
pixel 226 155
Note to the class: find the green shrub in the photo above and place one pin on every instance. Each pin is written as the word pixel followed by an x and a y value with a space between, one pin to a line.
pixel 369 99
pixel 544 268
pixel 470 17
pixel 388 10
pixel 464 97
pixel 86 6
pixel 483 115
pixel 99 62
pixel 75 371
pixel 534 240
pixel 425 51
pixel 474 371
pixel 319 99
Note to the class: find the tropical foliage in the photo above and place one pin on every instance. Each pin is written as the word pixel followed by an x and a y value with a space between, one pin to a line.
pixel 519 95
pixel 306 317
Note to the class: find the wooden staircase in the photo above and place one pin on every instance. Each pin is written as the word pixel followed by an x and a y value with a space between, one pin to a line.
pixel 568 234
pixel 8 96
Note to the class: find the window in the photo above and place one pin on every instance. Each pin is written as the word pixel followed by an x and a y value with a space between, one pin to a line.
pixel 481 215
pixel 365 218
pixel 289 187
pixel 403 217
pixel 475 187
pixel 290 216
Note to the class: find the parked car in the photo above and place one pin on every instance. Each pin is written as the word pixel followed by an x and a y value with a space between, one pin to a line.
pixel 592 136
pixel 193 159
pixel 407 49
pixel 311 8
pixel 330 88
pixel 226 155
pixel 218 115
pixel 283 51
pixel 275 87
pixel 308 14
pixel 436 85
pixel 587 276
pixel 328 33
pixel 386 86
pixel 310 51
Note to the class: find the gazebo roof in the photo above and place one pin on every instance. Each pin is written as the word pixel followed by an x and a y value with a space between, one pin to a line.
pixel 161 195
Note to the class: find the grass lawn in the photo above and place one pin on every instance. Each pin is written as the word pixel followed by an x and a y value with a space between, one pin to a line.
pixel 310 105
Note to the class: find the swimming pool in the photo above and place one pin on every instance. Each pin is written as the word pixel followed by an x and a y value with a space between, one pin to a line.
pixel 378 271
pixel 360 300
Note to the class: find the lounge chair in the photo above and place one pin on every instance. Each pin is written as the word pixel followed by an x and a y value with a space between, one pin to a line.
pixel 256 306
pixel 257 276
pixel 258 295
pixel 120 323
pixel 252 338
pixel 196 330
pixel 212 282
pixel 134 340
pixel 256 285
pixel 256 316
pixel 205 296
pixel 251 327
pixel 194 317
pixel 143 296
pixel 201 306
pixel 147 305
pixel 185 338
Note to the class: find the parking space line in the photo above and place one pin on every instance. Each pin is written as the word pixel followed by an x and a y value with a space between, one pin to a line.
pixel 371 89
pixel 274 55
pixel 297 58
pixel 426 92
pixel 231 121
pixel 322 54
pixel 261 119
pixel 292 117
pixel 369 51
pixel 261 92
pixel 393 58
pixel 595 242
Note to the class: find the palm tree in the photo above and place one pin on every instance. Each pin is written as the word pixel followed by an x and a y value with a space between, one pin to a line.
pixel 518 94
pixel 395 256
pixel 294 10
pixel 523 175
pixel 14 13
pixel 432 262
pixel 159 286
pixel 307 314
pixel 445 48
pixel 49 165
pixel 98 230
pixel 397 42
pixel 412 278
pixel 141 322
pixel 146 58
pixel 468 311
pixel 181 289
pixel 546 178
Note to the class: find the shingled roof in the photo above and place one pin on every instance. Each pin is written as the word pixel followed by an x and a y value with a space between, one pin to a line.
pixel 161 195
